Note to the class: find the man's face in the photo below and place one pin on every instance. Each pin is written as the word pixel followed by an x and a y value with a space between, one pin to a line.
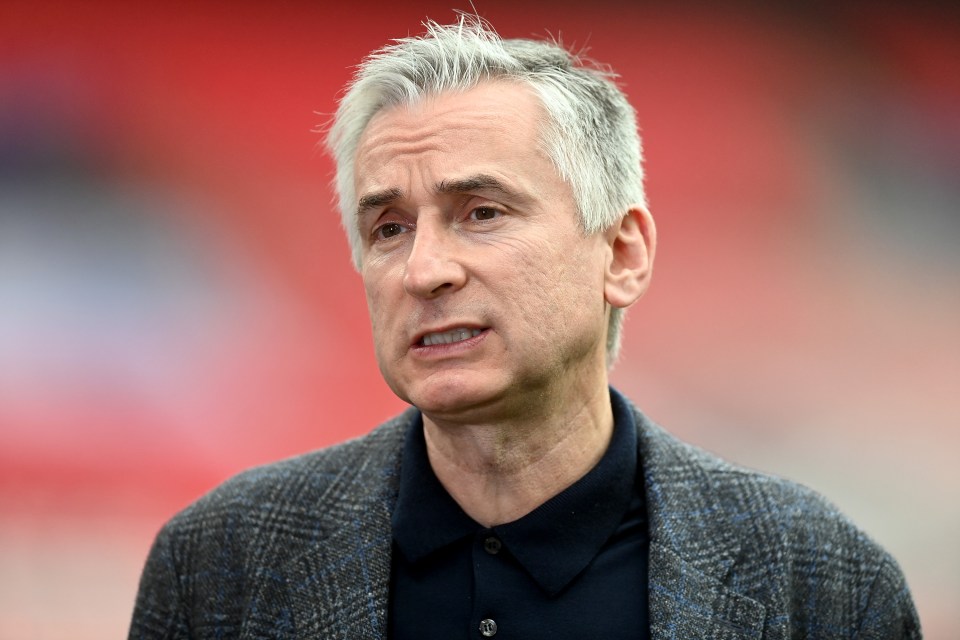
pixel 480 284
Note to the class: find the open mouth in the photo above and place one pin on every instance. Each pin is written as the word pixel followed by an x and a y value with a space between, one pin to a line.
pixel 448 337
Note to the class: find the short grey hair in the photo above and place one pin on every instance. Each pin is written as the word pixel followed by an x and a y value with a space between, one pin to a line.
pixel 590 133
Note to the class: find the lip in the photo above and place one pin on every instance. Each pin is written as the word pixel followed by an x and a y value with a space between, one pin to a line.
pixel 419 348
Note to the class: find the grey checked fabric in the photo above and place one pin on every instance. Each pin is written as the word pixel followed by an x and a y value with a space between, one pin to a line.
pixel 301 549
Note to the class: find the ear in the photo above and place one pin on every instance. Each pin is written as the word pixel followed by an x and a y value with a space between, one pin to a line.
pixel 632 242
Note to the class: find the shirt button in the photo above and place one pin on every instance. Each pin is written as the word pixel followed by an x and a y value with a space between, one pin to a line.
pixel 492 546
pixel 488 628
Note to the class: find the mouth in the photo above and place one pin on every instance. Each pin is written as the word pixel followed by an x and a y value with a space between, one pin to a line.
pixel 451 336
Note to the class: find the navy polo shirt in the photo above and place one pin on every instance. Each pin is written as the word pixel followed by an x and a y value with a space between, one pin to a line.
pixel 575 567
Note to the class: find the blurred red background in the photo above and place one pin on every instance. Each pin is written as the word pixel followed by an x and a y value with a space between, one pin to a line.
pixel 177 302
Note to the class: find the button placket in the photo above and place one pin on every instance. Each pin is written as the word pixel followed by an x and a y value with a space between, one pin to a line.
pixel 489 565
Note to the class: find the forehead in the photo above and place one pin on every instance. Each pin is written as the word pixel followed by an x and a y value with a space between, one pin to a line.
pixel 493 120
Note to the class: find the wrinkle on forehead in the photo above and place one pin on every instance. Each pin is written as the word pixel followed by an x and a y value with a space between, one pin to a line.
pixel 435 138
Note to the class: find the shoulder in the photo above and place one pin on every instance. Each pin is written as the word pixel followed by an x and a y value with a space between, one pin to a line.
pixel 287 505
pixel 681 477
pixel 236 541
pixel 774 540
pixel 354 461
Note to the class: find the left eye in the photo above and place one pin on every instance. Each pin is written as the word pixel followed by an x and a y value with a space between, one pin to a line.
pixel 484 213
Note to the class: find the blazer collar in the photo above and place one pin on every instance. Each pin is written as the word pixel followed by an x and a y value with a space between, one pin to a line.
pixel 693 543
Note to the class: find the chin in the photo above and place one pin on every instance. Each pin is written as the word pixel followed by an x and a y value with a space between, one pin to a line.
pixel 452 395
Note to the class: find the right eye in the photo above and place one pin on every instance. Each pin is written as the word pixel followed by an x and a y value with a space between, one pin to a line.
pixel 388 230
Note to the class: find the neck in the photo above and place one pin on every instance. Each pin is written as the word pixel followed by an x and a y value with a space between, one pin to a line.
pixel 500 471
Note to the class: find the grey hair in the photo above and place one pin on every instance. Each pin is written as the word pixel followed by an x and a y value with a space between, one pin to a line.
pixel 590 133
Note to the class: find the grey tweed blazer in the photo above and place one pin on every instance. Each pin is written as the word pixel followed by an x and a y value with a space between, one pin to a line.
pixel 301 549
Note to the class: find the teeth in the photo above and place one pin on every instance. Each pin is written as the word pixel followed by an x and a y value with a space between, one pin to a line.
pixel 446 337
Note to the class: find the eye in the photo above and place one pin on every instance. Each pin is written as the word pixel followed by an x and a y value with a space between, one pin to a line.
pixel 388 230
pixel 485 213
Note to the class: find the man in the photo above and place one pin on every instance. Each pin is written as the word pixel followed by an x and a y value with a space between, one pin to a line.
pixel 492 194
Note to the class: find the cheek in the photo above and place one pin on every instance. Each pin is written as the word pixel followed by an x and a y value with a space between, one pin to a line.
pixel 552 287
pixel 572 273
pixel 379 304
pixel 382 282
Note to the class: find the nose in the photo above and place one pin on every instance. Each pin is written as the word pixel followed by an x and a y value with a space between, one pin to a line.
pixel 433 266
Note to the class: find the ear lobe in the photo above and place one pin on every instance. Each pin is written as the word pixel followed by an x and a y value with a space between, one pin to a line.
pixel 633 242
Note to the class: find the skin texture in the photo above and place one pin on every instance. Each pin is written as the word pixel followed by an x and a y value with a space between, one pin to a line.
pixel 466 224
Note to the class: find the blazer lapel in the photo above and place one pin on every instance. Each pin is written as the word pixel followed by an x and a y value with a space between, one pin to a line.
pixel 338 588
pixel 693 546
pixel 686 603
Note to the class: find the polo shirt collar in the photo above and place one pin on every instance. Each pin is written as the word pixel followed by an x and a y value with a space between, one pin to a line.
pixel 555 541
pixel 425 518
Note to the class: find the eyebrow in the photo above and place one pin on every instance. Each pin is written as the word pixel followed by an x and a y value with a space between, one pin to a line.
pixel 378 199
pixel 479 182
